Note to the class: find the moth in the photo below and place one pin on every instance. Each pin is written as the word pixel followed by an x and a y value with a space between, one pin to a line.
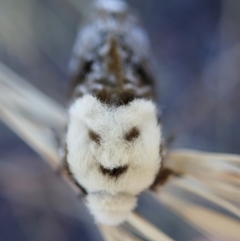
pixel 114 147
pixel 114 138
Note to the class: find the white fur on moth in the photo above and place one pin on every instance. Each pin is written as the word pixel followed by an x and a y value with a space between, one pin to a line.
pixel 111 199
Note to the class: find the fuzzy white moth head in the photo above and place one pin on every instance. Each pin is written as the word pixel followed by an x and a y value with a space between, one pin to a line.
pixel 113 152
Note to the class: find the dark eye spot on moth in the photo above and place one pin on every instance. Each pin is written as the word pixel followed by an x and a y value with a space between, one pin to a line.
pixel 132 134
pixel 94 136
pixel 113 173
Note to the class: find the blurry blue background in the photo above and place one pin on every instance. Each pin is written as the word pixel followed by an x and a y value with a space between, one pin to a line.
pixel 196 47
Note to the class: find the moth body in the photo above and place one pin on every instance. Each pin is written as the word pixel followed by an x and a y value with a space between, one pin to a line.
pixel 113 135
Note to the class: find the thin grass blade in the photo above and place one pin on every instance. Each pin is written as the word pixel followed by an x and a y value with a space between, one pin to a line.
pixel 194 187
pixel 213 166
pixel 207 221
pixel 116 233
pixel 146 229
pixel 29 101
pixel 39 138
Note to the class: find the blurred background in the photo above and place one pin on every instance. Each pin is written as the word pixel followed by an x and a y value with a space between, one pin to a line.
pixel 197 52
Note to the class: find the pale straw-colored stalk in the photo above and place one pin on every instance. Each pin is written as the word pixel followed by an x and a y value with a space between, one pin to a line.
pixel 215 166
pixel 211 223
pixel 197 188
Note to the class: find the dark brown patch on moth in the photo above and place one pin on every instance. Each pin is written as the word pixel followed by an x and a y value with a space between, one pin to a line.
pixel 126 97
pixel 103 96
pixel 113 173
pixel 69 173
pixel 164 173
pixel 132 134
pixel 94 136
pixel 113 97
pixel 161 178
pixel 144 75
pixel 79 77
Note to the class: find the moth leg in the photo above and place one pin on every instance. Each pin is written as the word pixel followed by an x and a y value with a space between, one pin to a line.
pixel 161 178
pixel 64 169
pixel 61 149
pixel 164 172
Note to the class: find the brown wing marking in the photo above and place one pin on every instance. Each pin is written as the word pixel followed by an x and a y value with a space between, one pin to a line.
pixel 164 172
pixel 66 169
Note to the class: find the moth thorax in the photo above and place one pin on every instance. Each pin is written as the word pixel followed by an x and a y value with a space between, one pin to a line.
pixel 113 64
